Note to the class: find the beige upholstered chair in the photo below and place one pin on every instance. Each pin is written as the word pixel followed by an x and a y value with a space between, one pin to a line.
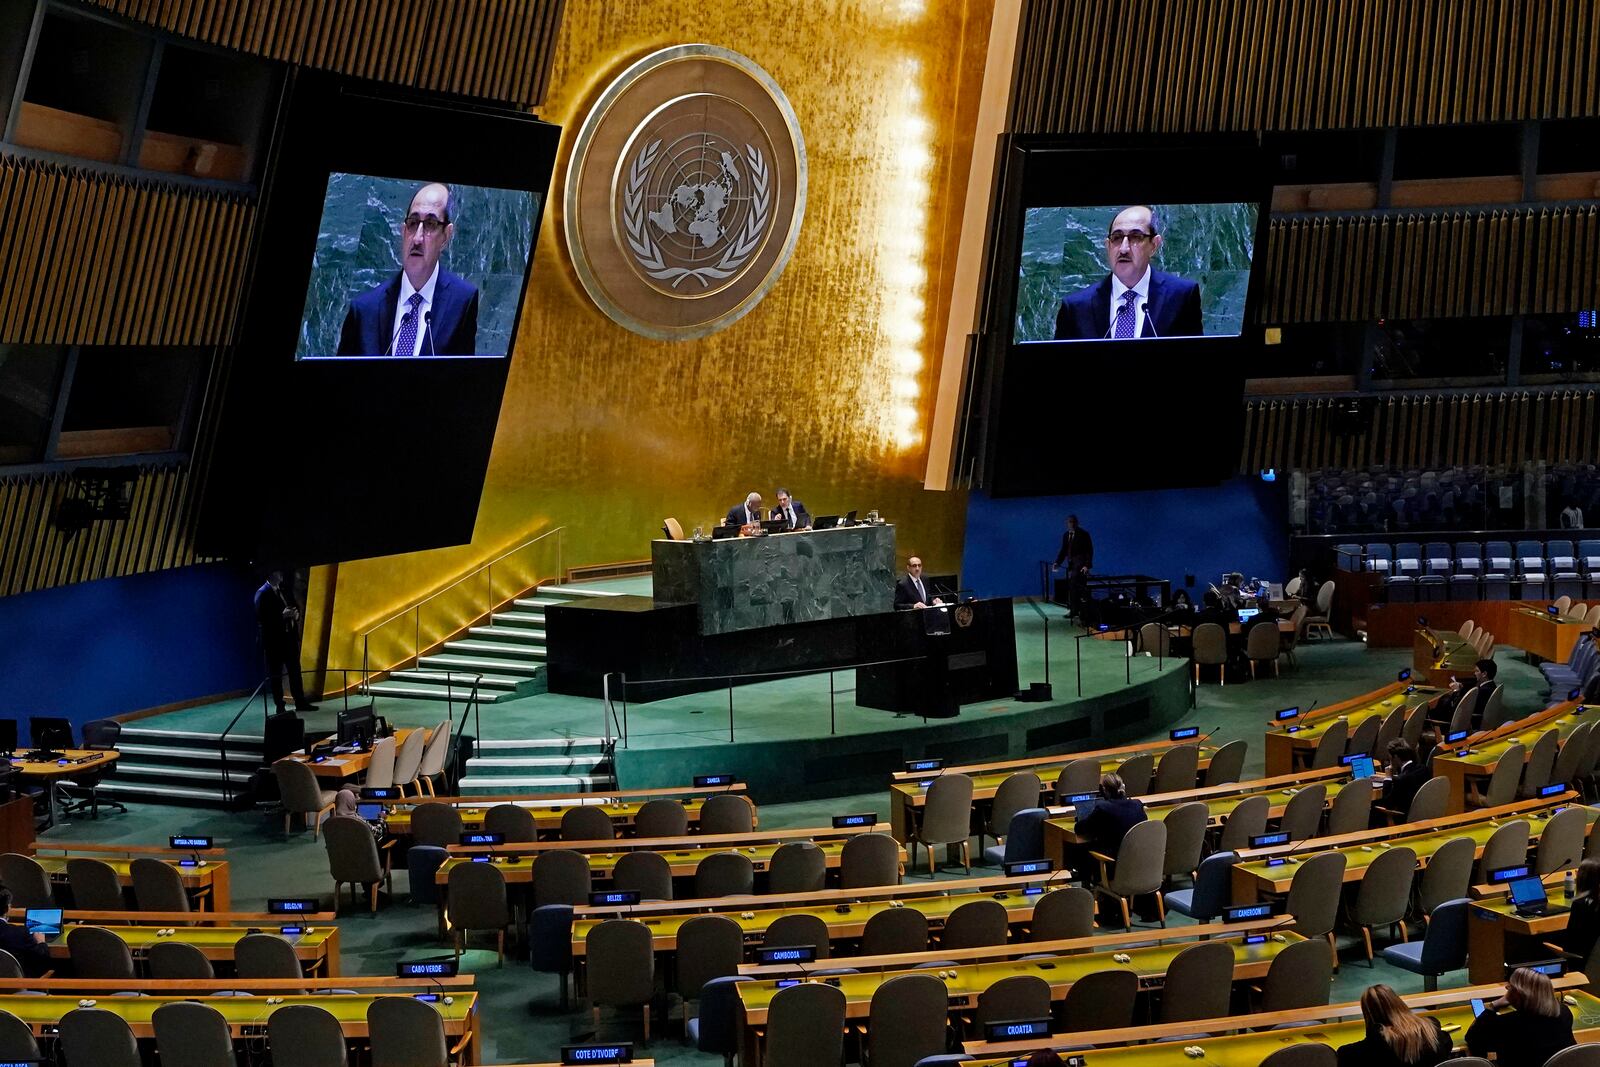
pixel 301 794
pixel 1211 650
pixel 672 528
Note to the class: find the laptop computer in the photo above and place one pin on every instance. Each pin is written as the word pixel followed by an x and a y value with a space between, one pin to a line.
pixel 1361 767
pixel 722 533
pixel 370 812
pixel 1246 614
pixel 1528 896
pixel 46 921
pixel 850 518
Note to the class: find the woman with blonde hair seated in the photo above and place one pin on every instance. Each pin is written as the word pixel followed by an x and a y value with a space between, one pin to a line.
pixel 1526 1026
pixel 1396 1036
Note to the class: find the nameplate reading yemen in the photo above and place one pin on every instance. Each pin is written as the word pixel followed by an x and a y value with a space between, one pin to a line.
pixel 685 192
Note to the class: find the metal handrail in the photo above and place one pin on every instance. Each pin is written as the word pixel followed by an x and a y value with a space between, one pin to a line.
pixel 470 574
pixel 222 740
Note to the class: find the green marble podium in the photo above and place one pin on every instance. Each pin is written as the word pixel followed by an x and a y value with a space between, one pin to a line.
pixel 746 583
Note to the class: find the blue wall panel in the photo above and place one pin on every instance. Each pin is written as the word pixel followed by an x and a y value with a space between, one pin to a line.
pixel 96 649
pixel 1240 525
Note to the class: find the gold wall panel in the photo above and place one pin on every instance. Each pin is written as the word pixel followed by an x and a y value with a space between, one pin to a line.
pixel 608 433
pixel 494 49
pixel 1442 264
pixel 96 258
pixel 155 536
pixel 1419 430
pixel 1088 66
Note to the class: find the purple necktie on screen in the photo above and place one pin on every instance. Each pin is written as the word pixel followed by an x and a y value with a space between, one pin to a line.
pixel 1124 327
pixel 406 344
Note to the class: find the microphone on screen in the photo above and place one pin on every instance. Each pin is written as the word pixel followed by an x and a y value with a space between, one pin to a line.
pixel 427 329
pixel 1149 322
pixel 389 349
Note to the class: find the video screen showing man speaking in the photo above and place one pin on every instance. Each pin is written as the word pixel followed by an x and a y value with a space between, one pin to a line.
pixel 416 270
pixel 1134 271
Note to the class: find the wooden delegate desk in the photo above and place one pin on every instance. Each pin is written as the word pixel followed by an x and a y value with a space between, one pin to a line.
pixel 1220 801
pixel 845 921
pixel 1437 657
pixel 907 794
pixel 665 845
pixel 345 765
pixel 547 809
pixel 1290 744
pixel 1258 877
pixel 317 950
pixel 214 876
pixel 963 984
pixel 246 1016
pixel 71 762
pixel 1539 633
pixel 1250 1049
pixel 518 868
pixel 1484 749
pixel 1492 922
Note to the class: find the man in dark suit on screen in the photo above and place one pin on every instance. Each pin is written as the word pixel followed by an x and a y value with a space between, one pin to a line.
pixel 1134 300
pixel 421 310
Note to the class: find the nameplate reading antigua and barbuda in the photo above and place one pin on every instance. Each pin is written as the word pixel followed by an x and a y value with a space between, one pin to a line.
pixel 685 192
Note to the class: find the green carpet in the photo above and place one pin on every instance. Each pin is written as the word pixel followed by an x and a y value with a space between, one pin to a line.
pixel 520 1018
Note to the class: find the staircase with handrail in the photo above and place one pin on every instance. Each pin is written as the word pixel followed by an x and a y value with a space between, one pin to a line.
pixel 485 628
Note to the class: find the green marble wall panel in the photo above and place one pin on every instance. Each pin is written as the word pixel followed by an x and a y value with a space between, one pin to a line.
pixel 744 583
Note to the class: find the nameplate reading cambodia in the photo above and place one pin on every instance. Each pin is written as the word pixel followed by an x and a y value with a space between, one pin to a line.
pixel 685 192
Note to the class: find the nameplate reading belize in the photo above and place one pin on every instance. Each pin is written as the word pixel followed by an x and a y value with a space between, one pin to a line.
pixel 685 192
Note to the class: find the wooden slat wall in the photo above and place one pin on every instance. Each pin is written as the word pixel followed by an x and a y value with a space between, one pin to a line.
pixel 35 555
pixel 1419 430
pixel 492 49
pixel 1087 66
pixel 99 259
pixel 1432 265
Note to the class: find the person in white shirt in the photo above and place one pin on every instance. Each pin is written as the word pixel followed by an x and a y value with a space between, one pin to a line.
pixel 1133 300
pixel 1571 516
pixel 746 513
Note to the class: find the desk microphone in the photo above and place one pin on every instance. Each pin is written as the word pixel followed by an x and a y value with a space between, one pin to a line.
pixel 389 349
pixel 427 329
pixel 1149 322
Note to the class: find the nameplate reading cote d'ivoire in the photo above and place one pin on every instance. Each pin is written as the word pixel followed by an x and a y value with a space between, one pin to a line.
pixel 685 192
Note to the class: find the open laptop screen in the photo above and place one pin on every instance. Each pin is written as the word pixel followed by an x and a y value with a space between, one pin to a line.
pixel 46 921
pixel 1527 892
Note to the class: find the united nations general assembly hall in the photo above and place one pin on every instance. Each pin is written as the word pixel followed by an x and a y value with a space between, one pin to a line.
pixel 864 533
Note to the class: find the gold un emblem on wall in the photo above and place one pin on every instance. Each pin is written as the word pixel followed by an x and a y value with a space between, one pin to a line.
pixel 685 192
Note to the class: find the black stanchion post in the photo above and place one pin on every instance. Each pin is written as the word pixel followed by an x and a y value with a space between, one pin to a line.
pixel 1077 654
pixel 833 723
pixel 730 709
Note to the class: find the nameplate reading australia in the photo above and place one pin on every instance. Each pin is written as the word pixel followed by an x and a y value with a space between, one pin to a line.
pixel 685 192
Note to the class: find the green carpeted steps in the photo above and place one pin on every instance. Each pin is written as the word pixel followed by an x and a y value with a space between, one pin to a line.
pixel 539 765
pixel 509 652
pixel 182 766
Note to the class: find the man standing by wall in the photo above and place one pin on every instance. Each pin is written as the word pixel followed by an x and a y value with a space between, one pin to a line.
pixel 1077 552
pixel 278 616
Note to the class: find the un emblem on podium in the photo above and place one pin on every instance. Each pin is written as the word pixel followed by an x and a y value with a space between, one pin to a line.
pixel 685 192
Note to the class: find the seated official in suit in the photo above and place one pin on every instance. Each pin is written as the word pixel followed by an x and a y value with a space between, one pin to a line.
pixel 29 949
pixel 421 310
pixel 1214 611
pixel 1266 614
pixel 1133 300
pixel 1483 674
pixel 792 512
pixel 1396 1035
pixel 1104 825
pixel 748 512
pixel 1407 775
pixel 1525 1027
pixel 911 591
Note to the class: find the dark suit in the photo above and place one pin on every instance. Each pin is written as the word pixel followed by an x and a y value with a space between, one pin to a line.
pixel 280 642
pixel 736 515
pixel 34 957
pixel 1077 550
pixel 1399 791
pixel 1583 928
pixel 905 593
pixel 1448 705
pixel 452 330
pixel 1102 830
pixel 802 517
pixel 1374 1051
pixel 1172 310
pixel 1519 1038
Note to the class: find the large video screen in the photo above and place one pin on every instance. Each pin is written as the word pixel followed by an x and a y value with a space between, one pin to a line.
pixel 406 268
pixel 1124 272
pixel 1120 312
